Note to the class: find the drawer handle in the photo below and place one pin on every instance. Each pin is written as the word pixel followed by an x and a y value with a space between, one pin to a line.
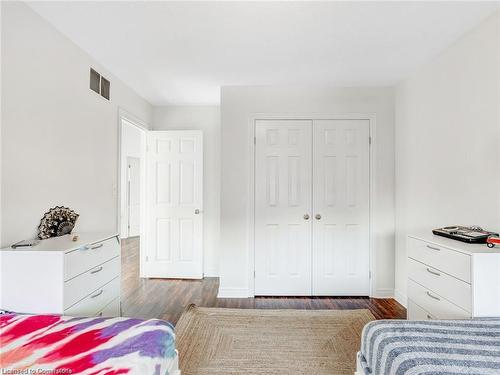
pixel 97 294
pixel 433 272
pixel 96 246
pixel 433 248
pixel 433 297
pixel 100 269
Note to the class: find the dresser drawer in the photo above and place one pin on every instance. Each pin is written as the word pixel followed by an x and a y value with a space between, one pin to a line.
pixel 96 301
pixel 437 306
pixel 111 310
pixel 441 258
pixel 415 312
pixel 451 288
pixel 82 285
pixel 82 260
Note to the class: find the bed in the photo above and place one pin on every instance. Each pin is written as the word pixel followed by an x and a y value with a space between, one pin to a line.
pixel 430 347
pixel 53 344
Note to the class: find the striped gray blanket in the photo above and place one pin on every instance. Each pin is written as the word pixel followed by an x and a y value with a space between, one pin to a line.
pixel 431 347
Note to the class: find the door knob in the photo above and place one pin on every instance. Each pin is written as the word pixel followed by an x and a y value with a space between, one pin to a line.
pixel 197 211
pixel 318 217
pixel 306 217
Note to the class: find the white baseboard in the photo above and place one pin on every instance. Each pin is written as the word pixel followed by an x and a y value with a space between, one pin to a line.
pixel 401 298
pixel 210 273
pixel 233 293
pixel 384 293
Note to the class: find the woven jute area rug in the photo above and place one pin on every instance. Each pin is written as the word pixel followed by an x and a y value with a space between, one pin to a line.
pixel 219 341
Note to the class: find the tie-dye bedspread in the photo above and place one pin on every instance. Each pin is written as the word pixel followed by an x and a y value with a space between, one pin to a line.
pixel 52 344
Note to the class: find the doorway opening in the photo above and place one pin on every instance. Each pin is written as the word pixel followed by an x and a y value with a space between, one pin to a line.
pixel 132 203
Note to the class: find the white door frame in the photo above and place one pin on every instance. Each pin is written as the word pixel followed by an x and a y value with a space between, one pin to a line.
pixel 371 117
pixel 143 127
pixel 128 195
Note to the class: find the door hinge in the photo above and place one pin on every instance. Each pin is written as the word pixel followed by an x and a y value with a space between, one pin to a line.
pixel 369 274
pixel 254 274
pixel 254 140
pixel 147 258
pixel 369 140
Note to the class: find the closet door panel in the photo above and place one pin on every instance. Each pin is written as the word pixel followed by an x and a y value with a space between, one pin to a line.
pixel 340 256
pixel 283 189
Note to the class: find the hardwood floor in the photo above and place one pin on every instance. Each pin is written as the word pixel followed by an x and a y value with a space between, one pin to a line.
pixel 167 298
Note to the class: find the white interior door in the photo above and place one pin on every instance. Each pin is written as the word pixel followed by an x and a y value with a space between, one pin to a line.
pixel 133 196
pixel 341 207
pixel 283 207
pixel 175 204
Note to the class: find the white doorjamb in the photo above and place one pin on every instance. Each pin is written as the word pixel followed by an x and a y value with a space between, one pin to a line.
pixel 371 117
pixel 132 179
pixel 123 115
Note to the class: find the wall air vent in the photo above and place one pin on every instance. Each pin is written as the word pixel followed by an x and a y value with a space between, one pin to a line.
pixel 99 84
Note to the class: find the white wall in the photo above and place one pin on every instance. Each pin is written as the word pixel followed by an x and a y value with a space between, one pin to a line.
pixel 59 138
pixel 448 141
pixel 132 141
pixel 237 106
pixel 207 119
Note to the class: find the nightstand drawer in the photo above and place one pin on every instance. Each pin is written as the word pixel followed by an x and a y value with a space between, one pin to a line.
pixel 452 262
pixel 82 260
pixel 451 288
pixel 437 306
pixel 96 301
pixel 415 312
pixel 83 285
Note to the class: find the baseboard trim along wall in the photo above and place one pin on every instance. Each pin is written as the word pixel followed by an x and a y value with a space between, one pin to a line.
pixel 401 298
pixel 233 293
pixel 384 293
pixel 211 273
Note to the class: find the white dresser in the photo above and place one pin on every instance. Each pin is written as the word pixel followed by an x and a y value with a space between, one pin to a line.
pixel 448 279
pixel 60 276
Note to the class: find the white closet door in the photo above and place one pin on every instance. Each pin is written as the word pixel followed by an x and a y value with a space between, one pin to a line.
pixel 341 207
pixel 175 203
pixel 282 207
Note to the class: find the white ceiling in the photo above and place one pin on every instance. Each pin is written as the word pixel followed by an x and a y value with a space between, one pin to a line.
pixel 183 52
